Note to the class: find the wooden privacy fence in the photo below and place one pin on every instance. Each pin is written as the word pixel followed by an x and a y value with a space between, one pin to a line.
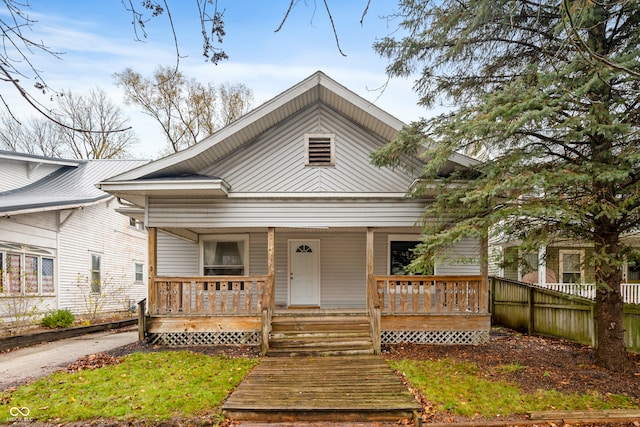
pixel 208 295
pixel 430 294
pixel 537 310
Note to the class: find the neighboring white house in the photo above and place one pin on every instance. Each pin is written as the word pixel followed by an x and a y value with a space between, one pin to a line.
pixel 562 266
pixel 63 245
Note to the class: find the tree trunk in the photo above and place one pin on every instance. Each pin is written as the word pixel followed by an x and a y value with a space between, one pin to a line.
pixel 610 349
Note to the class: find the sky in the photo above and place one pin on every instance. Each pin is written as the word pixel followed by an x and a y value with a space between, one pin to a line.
pixel 95 39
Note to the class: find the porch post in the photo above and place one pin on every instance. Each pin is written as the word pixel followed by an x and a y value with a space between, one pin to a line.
pixel 542 266
pixel 373 301
pixel 152 248
pixel 271 265
pixel 269 296
pixel 484 272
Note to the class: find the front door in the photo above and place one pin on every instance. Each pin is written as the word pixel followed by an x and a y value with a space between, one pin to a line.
pixel 304 272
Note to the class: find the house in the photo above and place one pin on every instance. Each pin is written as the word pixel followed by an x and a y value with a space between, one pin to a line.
pixel 63 245
pixel 282 212
pixel 562 266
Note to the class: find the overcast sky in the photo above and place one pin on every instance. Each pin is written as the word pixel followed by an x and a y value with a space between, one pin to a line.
pixel 97 40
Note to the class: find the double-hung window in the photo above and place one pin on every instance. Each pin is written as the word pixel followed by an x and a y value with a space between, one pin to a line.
pixel 572 266
pixel 26 269
pixel 96 273
pixel 138 272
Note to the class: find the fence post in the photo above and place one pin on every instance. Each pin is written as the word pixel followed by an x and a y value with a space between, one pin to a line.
pixel 142 320
pixel 532 308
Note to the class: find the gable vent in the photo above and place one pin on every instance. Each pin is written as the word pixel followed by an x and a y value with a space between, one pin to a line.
pixel 320 149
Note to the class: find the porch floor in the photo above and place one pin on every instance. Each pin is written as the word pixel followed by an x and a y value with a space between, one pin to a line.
pixel 341 388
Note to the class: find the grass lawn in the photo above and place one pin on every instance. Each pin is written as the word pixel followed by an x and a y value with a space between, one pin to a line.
pixel 462 389
pixel 184 385
pixel 149 386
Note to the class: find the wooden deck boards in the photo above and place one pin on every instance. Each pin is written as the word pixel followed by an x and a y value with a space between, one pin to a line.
pixel 341 388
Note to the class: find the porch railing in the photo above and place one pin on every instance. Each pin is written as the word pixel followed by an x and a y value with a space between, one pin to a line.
pixel 430 294
pixel 630 292
pixel 208 295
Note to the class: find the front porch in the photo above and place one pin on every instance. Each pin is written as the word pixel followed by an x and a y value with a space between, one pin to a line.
pixel 240 309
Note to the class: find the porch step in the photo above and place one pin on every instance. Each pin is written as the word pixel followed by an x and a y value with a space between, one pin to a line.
pixel 320 334
pixel 341 390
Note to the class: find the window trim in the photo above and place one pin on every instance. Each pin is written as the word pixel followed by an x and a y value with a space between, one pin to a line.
pixel 226 238
pixel 309 138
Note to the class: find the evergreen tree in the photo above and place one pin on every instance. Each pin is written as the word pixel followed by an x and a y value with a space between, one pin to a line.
pixel 548 92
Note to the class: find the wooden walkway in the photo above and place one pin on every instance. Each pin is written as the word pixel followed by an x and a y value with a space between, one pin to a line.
pixel 339 388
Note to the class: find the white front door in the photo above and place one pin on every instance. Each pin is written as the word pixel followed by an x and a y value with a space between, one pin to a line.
pixel 304 272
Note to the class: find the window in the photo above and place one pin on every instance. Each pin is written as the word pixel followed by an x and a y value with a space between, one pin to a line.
pixel 96 275
pixel 14 273
pixel 138 271
pixel 225 255
pixel 571 266
pixel 136 223
pixel 530 263
pixel 320 149
pixel 25 269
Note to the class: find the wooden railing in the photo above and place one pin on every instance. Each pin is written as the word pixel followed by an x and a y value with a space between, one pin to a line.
pixel 429 294
pixel 209 295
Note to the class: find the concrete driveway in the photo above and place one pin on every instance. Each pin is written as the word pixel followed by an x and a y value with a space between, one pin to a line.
pixel 30 363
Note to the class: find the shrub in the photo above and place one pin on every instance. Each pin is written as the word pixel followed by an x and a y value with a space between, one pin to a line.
pixel 58 319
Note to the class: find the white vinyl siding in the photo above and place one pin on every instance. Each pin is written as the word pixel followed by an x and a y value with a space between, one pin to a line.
pixel 16 174
pixel 177 256
pixel 100 230
pixel 275 161
pixel 283 213
pixel 461 259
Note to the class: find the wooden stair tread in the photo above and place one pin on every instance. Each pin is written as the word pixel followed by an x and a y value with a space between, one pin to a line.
pixel 307 334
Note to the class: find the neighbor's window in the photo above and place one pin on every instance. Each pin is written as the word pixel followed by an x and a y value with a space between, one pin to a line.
pixel 320 149
pixel 138 268
pixel 633 269
pixel 571 266
pixel 225 256
pixel 136 223
pixel 25 269
pixel 14 273
pixel 96 273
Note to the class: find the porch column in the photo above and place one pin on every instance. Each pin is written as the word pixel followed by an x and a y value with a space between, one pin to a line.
pixel 373 302
pixel 152 248
pixel 271 265
pixel 484 273
pixel 542 266
pixel 269 296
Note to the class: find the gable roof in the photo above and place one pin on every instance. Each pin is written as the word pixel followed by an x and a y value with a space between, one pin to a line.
pixel 172 175
pixel 73 184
